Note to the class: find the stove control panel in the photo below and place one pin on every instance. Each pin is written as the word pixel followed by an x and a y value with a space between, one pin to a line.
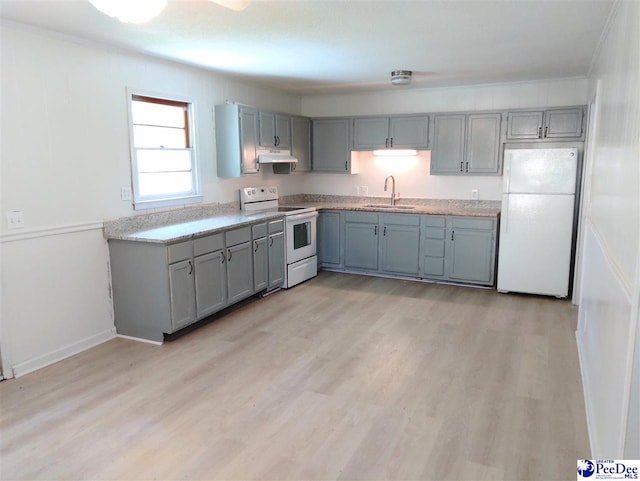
pixel 258 194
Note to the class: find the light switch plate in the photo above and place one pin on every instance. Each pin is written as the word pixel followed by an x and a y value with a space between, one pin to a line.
pixel 15 219
pixel 474 194
pixel 364 190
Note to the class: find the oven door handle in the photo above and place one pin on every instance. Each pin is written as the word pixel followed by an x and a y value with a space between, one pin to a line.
pixel 303 216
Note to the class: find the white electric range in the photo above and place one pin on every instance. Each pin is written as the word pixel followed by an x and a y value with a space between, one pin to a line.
pixel 300 231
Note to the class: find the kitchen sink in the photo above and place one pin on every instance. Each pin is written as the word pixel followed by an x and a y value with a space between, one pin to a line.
pixel 387 206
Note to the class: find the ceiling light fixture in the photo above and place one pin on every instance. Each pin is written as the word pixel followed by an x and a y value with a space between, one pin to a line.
pixel 395 152
pixel 130 11
pixel 401 77
pixel 236 5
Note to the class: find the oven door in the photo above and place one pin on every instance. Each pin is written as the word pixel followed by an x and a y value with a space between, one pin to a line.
pixel 300 236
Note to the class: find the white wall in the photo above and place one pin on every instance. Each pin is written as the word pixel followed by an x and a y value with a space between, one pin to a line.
pixel 608 316
pixel 65 155
pixel 416 181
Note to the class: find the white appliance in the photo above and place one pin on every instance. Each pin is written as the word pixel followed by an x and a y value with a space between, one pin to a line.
pixel 536 227
pixel 300 232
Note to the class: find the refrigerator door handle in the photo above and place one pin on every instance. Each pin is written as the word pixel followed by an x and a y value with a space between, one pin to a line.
pixel 505 214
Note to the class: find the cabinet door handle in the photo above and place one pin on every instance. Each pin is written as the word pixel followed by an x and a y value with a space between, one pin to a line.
pixel 375 230
pixel 539 132
pixel 345 165
pixel 384 231
pixel 386 142
pixel 222 259
pixel 190 268
pixel 546 129
pixel 467 167
pixel 461 166
pixel 278 137
pixel 452 232
pixel 255 249
pixel 229 256
pixel 391 142
pixel 271 242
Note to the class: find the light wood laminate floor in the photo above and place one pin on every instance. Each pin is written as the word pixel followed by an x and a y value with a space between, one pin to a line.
pixel 342 377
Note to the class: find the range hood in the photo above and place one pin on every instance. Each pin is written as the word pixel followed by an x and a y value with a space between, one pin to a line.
pixel 284 158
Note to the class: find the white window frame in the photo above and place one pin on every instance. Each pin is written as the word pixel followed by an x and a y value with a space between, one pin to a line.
pixel 165 200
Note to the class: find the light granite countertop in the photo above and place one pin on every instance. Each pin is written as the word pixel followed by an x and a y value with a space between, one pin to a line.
pixel 176 226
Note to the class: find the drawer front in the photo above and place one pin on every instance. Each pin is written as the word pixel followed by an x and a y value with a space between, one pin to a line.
pixel 400 219
pixel 471 223
pixel 276 226
pixel 210 243
pixel 434 221
pixel 434 232
pixel 180 251
pixel 237 236
pixel 365 217
pixel 433 266
pixel 259 230
pixel 434 247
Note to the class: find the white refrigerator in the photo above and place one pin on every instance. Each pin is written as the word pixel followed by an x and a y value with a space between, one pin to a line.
pixel 536 226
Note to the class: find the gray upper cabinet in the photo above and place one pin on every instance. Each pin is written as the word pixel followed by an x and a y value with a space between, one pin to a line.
pixel 483 143
pixel 331 145
pixel 361 240
pixel 467 144
pixel 447 154
pixel 274 130
pixel 550 124
pixel 407 132
pixel 329 238
pixel 400 243
pixel 236 140
pixel 301 143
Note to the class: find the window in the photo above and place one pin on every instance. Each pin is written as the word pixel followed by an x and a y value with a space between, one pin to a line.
pixel 162 152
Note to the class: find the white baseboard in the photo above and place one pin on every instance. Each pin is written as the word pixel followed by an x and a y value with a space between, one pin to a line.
pixel 63 353
pixel 585 390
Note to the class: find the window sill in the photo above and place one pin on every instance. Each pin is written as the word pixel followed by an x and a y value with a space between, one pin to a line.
pixel 161 203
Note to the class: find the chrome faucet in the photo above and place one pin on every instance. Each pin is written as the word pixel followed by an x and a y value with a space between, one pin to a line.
pixel 393 188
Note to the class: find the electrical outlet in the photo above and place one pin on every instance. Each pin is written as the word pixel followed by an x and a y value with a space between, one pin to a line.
pixel 125 193
pixel 474 194
pixel 15 219
pixel 364 190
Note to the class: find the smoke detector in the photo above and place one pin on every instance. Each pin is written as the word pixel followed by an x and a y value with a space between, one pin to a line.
pixel 401 77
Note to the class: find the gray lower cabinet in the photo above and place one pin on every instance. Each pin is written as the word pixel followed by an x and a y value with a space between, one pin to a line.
pixel 210 283
pixel 328 239
pixel 472 248
pixel 239 271
pixel 260 264
pixel 182 292
pixel 400 244
pixel 437 247
pixel 361 240
pixel 276 260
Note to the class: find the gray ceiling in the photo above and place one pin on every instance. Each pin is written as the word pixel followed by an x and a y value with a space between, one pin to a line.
pixel 319 46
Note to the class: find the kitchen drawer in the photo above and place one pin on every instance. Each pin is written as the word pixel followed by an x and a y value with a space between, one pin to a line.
pixel 400 219
pixel 259 230
pixel 364 217
pixel 238 236
pixel 179 252
pixel 433 266
pixel 276 226
pixel 471 223
pixel 210 243
pixel 433 221
pixel 434 247
pixel 434 232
